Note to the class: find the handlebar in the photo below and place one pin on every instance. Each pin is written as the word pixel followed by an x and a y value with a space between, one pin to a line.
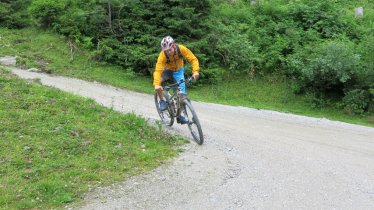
pixel 191 79
pixel 168 87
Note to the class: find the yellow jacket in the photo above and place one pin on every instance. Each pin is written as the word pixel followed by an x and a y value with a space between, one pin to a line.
pixel 175 63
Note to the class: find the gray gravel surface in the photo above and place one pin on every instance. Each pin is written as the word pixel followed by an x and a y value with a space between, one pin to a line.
pixel 251 159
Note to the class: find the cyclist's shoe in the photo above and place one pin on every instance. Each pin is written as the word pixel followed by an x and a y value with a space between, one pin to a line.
pixel 182 120
pixel 163 105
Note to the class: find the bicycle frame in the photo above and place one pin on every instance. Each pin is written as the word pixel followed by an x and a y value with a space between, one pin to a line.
pixel 177 104
pixel 176 96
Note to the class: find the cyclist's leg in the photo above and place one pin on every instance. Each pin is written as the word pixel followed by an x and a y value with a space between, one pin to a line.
pixel 166 75
pixel 178 75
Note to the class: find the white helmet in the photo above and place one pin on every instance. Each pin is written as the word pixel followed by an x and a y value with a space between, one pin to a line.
pixel 167 42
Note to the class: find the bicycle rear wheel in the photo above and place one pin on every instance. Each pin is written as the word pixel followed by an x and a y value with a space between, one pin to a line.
pixel 166 116
pixel 193 122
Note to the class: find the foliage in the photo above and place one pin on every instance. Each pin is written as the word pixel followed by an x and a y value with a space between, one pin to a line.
pixel 235 51
pixel 356 101
pixel 46 11
pixel 12 13
pixel 126 33
pixel 366 50
pixel 332 69
pixel 266 92
pixel 281 37
pixel 322 16
pixel 69 23
pixel 211 76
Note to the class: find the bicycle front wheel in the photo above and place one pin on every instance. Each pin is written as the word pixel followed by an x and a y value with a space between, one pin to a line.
pixel 193 122
pixel 166 116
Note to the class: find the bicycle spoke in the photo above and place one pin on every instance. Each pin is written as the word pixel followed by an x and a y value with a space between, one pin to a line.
pixel 193 124
pixel 166 116
pixel 174 106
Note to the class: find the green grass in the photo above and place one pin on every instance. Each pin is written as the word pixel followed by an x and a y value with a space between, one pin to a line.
pixel 271 93
pixel 50 52
pixel 55 146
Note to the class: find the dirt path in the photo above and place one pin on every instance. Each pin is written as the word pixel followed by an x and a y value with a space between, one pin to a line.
pixel 252 159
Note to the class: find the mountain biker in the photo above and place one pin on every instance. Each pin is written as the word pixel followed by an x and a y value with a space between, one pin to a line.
pixel 170 66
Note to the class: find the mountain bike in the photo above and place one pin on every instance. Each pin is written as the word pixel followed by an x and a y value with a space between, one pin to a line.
pixel 178 103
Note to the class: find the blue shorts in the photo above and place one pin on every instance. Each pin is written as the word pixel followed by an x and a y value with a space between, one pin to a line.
pixel 175 76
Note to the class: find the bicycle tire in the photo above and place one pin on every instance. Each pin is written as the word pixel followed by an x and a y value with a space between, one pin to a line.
pixel 194 123
pixel 166 116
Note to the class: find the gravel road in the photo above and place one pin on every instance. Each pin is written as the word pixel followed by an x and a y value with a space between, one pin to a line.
pixel 251 159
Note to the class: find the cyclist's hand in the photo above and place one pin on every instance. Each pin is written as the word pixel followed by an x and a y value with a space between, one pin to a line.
pixel 158 87
pixel 195 75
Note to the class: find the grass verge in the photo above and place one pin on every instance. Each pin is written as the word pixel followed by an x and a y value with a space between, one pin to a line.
pixel 272 93
pixel 55 146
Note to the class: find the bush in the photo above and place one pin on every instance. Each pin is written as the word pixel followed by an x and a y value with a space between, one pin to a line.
pixel 46 11
pixel 233 49
pixel 106 50
pixel 334 67
pixel 333 71
pixel 371 102
pixel 330 69
pixel 70 23
pixel 237 53
pixel 316 100
pixel 211 75
pixel 140 59
pixel 13 14
pixel 366 74
pixel 207 75
pixel 356 101
pixel 322 16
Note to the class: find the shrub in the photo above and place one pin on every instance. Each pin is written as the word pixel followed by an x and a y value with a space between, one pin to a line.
pixel 207 75
pixel 330 68
pixel 356 101
pixel 211 75
pixel 334 67
pixel 316 100
pixel 70 23
pixel 234 50
pixel 237 53
pixel 371 102
pixel 13 14
pixel 106 50
pixel 322 16
pixel 46 11
pixel 366 73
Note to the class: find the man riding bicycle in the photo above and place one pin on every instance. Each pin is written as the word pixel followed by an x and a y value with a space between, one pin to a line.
pixel 170 65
